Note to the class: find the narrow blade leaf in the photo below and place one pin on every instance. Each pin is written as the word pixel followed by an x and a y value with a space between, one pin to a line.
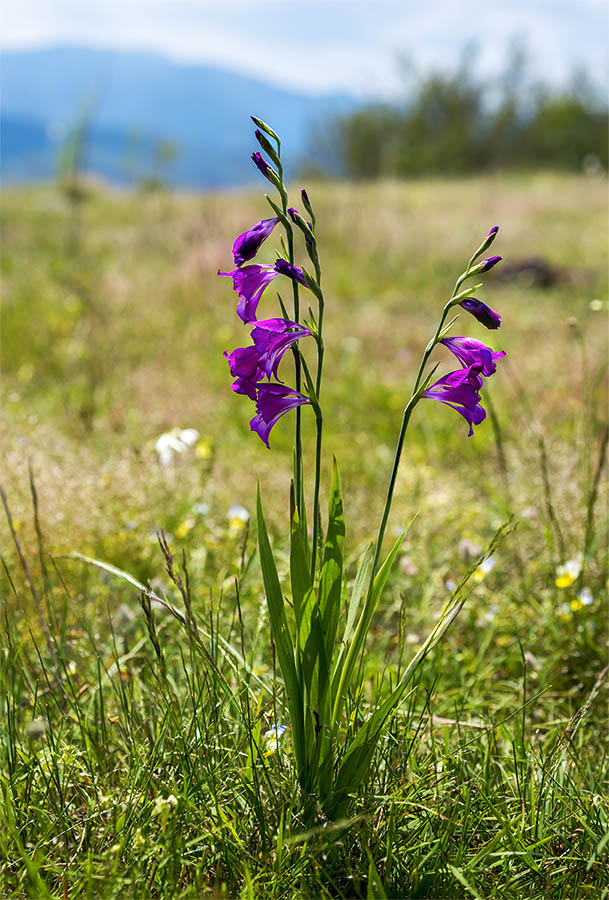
pixel 282 637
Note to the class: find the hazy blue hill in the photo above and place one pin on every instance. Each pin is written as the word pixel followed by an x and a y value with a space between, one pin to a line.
pixel 138 99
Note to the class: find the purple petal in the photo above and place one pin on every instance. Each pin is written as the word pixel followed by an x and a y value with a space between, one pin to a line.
pixel 272 337
pixel 274 400
pixel 247 244
pixel 250 282
pixel 459 390
pixel 243 361
pixel 244 366
pixel 471 352
pixel 246 386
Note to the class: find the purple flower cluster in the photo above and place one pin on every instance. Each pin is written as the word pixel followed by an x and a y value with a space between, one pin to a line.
pixel 249 365
pixel 271 337
pixel 461 389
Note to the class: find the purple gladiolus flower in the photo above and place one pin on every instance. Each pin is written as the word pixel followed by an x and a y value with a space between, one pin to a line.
pixel 250 282
pixel 482 312
pixel 460 390
pixel 489 263
pixel 244 365
pixel 249 365
pixel 493 232
pixel 272 337
pixel 470 352
pixel 274 400
pixel 247 244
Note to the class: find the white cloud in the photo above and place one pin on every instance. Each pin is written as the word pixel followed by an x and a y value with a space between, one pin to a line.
pixel 320 45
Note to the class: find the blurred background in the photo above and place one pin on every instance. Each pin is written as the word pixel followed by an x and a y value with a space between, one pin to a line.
pixel 159 91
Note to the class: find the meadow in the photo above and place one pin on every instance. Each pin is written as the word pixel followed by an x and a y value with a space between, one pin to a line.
pixel 136 763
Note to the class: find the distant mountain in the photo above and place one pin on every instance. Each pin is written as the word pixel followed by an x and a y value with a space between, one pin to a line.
pixel 133 101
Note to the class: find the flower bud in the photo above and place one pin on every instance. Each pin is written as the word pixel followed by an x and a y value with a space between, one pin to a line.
pixel 267 146
pixel 264 127
pixel 305 227
pixel 486 243
pixel 307 205
pixel 490 262
pixel 306 202
pixel 485 265
pixel 480 311
pixel 269 173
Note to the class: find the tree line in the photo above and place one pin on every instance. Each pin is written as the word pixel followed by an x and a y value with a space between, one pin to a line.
pixel 460 122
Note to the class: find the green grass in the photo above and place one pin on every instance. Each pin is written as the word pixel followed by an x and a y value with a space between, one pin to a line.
pixel 145 772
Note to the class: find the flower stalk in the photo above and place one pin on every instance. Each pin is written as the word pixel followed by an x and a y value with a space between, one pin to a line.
pixel 417 391
pixel 319 648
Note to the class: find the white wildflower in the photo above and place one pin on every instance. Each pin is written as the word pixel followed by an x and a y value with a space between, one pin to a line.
pixel 176 441
pixel 272 738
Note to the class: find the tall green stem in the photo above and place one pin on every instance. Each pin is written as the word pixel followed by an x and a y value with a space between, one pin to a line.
pixel 414 399
pixel 318 444
pixel 298 485
pixel 319 419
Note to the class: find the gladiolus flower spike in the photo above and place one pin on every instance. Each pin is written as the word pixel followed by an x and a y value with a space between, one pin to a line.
pixel 249 366
pixel 329 772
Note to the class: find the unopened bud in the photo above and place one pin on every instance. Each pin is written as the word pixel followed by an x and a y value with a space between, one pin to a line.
pixel 307 205
pixel 490 262
pixel 486 243
pixel 269 173
pixel 305 227
pixel 264 127
pixel 267 146
pixel 485 265
pixel 306 202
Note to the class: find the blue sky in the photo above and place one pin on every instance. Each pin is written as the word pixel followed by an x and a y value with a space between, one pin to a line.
pixel 321 45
